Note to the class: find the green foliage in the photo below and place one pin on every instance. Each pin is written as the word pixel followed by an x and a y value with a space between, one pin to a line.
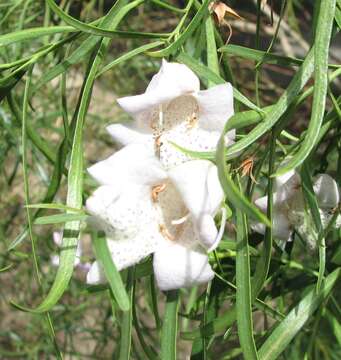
pixel 61 64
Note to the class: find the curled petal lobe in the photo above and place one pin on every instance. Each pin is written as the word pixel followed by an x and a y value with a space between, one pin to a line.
pixel 215 191
pixel 199 186
pixel 208 231
pixel 198 183
pixel 128 166
pixel 327 191
pixel 215 107
pixel 176 266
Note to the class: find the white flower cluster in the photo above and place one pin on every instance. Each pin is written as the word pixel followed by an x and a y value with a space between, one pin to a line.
pixel 153 198
pixel 290 213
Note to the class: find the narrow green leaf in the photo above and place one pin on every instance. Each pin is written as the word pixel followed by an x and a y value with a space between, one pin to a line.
pixel 8 267
pixel 148 350
pixel 129 55
pixel 321 52
pixel 86 46
pixel 286 330
pixel 127 318
pixel 212 58
pixel 154 301
pixel 175 46
pixel 54 206
pixel 258 55
pixel 252 117
pixel 33 33
pixel 311 200
pixel 231 191
pixel 263 263
pixel 75 180
pixel 141 270
pixel 338 17
pixel 226 319
pixel 168 6
pixel 84 49
pixel 170 326
pixel 25 175
pixel 103 255
pixel 287 98
pixel 335 325
pixel 222 323
pixel 47 317
pixel 59 218
pixel 80 26
pixel 9 81
pixel 37 140
pixel 243 293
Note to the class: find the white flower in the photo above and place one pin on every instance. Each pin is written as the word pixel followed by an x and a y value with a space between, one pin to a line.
pixel 58 239
pixel 289 211
pixel 173 109
pixel 144 209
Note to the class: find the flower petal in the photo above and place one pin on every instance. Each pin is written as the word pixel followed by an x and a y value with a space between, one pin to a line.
pixel 215 107
pixel 281 225
pixel 176 266
pixel 129 220
pixel 198 183
pixel 131 250
pixel 121 213
pixel 128 166
pixel 95 275
pixel 288 187
pixel 195 139
pixel 57 238
pixel 207 231
pixel 125 135
pixel 262 203
pixel 174 77
pixel 258 228
pixel 171 81
pixel 327 191
pixel 125 253
pixel 283 179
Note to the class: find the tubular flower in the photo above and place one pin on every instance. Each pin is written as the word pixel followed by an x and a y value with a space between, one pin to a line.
pixel 145 209
pixel 173 110
pixel 289 211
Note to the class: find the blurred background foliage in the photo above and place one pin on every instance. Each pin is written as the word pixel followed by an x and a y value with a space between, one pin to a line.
pixel 87 322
